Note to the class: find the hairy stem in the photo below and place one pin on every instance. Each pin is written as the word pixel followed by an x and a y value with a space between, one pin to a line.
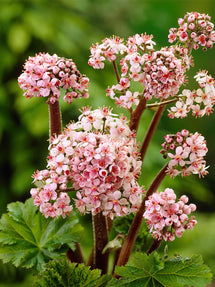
pixel 151 131
pixel 100 229
pixel 135 226
pixel 116 71
pixel 109 223
pixel 136 115
pixel 155 245
pixel 75 256
pixel 54 119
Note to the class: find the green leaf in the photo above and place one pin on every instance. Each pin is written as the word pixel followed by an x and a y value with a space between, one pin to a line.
pixel 30 240
pixel 61 273
pixel 151 271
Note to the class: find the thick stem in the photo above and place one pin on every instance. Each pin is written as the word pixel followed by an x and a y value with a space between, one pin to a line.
pixel 155 245
pixel 54 119
pixel 151 131
pixel 135 226
pixel 136 115
pixel 75 256
pixel 116 71
pixel 100 229
pixel 91 257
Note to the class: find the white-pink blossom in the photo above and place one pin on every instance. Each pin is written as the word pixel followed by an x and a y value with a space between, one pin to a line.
pixel 108 50
pixel 194 30
pixel 186 152
pixel 200 102
pixel 98 156
pixel 166 217
pixel 45 75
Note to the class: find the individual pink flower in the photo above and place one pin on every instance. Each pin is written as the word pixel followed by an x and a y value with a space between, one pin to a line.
pixel 166 217
pixel 178 111
pixel 45 75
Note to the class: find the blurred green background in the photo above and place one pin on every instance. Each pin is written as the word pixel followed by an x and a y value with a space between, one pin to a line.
pixel 68 28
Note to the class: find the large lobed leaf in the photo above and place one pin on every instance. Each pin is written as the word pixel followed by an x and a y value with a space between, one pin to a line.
pixel 151 271
pixel 29 239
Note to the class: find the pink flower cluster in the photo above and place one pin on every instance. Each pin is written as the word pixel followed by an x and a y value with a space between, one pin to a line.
pixel 108 50
pixel 200 101
pixel 52 202
pixel 45 75
pixel 186 152
pixel 194 30
pixel 166 217
pixel 160 72
pixel 98 157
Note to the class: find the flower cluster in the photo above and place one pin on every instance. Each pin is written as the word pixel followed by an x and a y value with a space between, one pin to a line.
pixel 160 72
pixel 139 43
pixel 194 30
pixel 52 202
pixel 98 157
pixel 186 152
pixel 200 101
pixel 108 50
pixel 166 217
pixel 44 75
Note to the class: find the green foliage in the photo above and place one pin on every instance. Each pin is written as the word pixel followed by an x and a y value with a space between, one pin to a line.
pixel 121 225
pixel 29 240
pixel 61 273
pixel 152 271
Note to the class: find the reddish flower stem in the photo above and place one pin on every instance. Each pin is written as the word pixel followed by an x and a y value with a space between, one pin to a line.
pixel 136 115
pixel 155 245
pixel 116 71
pixel 55 126
pixel 151 131
pixel 75 256
pixel 109 223
pixel 135 226
pixel 100 230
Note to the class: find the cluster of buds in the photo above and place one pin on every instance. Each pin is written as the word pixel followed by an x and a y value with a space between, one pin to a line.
pixel 166 217
pixel 98 157
pixel 194 30
pixel 160 72
pixel 45 75
pixel 186 152
pixel 200 101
